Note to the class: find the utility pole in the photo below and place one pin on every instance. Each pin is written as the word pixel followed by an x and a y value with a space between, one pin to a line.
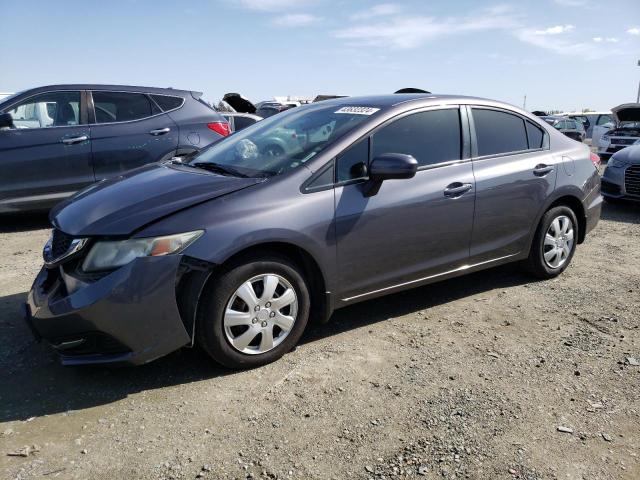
pixel 638 98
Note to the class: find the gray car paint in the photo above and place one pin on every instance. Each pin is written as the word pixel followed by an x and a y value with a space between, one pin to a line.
pixel 37 169
pixel 409 234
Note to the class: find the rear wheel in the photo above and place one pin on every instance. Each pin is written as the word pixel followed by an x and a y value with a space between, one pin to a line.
pixel 254 313
pixel 554 243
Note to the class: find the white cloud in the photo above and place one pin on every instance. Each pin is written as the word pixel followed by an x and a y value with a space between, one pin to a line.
pixel 557 30
pixel 607 39
pixel 404 31
pixel 294 20
pixel 269 5
pixel 633 31
pixel 572 3
pixel 381 10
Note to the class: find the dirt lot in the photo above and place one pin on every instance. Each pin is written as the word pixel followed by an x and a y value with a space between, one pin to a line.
pixel 470 378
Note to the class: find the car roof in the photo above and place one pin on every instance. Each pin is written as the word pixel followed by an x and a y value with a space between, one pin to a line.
pixel 111 88
pixel 395 99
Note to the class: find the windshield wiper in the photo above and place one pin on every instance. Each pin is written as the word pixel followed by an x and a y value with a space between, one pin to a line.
pixel 217 168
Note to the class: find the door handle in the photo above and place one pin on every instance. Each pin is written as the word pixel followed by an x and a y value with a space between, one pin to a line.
pixel 541 170
pixel 74 140
pixel 160 131
pixel 456 189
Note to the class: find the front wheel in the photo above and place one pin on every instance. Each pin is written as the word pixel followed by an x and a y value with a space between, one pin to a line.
pixel 253 313
pixel 554 243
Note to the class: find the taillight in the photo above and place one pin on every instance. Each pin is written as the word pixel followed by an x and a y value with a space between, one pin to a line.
pixel 222 128
pixel 595 159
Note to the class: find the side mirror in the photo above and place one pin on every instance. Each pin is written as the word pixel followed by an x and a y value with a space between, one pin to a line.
pixel 389 166
pixel 6 120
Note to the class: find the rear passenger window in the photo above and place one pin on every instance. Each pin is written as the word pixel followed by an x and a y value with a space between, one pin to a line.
pixel 535 135
pixel 498 132
pixel 166 102
pixel 122 106
pixel 430 137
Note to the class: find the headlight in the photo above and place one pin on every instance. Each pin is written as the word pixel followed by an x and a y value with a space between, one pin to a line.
pixel 637 142
pixel 605 138
pixel 107 255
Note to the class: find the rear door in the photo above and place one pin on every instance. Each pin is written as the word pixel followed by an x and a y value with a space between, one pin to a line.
pixel 515 173
pixel 47 157
pixel 128 130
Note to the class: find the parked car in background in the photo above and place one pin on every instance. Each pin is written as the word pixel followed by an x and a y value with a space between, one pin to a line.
pixel 625 132
pixel 262 109
pixel 58 139
pixel 590 120
pixel 239 121
pixel 271 109
pixel 621 178
pixel 236 248
pixel 571 128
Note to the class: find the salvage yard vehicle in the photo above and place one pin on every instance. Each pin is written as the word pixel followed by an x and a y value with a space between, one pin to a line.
pixel 590 120
pixel 621 178
pixel 625 132
pixel 58 139
pixel 237 249
pixel 240 121
pixel 571 128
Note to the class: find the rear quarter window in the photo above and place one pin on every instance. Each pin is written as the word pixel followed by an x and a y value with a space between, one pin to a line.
pixel 167 102
pixel 535 136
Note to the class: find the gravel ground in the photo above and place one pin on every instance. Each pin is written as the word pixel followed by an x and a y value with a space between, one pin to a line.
pixel 489 376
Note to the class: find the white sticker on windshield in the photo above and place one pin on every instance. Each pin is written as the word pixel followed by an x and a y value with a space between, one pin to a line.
pixel 358 110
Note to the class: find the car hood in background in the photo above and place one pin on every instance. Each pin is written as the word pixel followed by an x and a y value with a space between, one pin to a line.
pixel 239 103
pixel 121 205
pixel 627 112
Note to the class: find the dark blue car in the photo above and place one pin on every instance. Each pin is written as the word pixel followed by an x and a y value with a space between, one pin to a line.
pixel 58 139
pixel 237 248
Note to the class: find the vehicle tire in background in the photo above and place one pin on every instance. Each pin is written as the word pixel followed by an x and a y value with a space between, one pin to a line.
pixel 253 312
pixel 554 243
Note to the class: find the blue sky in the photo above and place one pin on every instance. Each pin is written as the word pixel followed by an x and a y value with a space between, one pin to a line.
pixel 563 54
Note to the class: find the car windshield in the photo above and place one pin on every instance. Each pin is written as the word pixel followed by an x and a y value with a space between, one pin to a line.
pixel 281 143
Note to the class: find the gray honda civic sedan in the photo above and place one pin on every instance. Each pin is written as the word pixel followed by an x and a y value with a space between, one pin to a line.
pixel 239 247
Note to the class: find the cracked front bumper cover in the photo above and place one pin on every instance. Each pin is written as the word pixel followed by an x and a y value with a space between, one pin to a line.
pixel 128 316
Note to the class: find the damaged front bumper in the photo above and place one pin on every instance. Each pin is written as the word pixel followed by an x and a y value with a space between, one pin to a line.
pixel 130 315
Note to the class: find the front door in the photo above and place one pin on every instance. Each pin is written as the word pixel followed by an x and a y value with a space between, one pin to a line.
pixel 47 156
pixel 412 228
pixel 128 130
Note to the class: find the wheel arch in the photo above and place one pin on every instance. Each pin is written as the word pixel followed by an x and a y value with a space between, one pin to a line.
pixel 302 258
pixel 576 205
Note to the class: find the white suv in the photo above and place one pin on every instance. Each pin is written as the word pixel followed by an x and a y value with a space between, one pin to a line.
pixel 625 132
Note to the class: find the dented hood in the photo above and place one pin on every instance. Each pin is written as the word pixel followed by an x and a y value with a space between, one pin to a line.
pixel 627 112
pixel 124 204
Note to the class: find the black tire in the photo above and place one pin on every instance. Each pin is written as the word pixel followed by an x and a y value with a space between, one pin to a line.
pixel 210 330
pixel 535 263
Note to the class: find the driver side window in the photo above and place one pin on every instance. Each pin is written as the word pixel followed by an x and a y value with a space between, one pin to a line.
pixel 55 109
